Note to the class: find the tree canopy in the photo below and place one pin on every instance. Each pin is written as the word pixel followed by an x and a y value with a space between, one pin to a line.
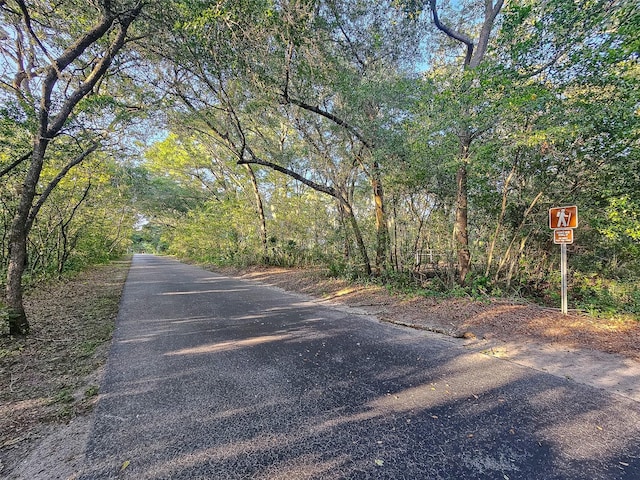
pixel 405 138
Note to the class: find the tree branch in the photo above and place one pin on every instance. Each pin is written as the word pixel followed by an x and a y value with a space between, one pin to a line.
pixel 451 33
pixel 287 171
pixel 27 21
pixel 53 183
pixel 490 13
pixel 85 194
pixel 15 163
pixel 316 109
pixel 97 72
pixel 334 118
pixel 69 55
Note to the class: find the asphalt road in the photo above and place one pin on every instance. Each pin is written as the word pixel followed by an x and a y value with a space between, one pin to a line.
pixel 210 377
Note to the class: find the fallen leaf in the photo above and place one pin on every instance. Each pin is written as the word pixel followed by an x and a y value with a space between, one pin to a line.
pixel 10 443
pixel 125 465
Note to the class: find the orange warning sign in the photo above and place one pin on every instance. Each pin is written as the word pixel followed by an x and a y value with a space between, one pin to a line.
pixel 563 217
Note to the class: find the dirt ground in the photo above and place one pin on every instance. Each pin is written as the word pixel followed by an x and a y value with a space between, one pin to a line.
pixel 49 381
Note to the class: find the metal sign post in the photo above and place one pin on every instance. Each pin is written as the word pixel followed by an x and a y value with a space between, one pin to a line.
pixel 562 220
pixel 563 274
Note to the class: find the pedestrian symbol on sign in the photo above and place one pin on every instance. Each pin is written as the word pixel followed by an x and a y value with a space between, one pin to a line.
pixel 563 217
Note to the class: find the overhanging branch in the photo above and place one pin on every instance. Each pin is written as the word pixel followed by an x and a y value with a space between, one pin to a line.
pixel 295 175
pixel 330 116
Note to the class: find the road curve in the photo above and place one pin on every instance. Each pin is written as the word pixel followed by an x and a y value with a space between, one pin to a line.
pixel 211 377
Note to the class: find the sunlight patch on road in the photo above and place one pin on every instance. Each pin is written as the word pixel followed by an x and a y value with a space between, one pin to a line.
pixel 195 292
pixel 228 346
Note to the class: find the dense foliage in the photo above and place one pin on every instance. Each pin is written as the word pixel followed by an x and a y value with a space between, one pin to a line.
pixel 397 139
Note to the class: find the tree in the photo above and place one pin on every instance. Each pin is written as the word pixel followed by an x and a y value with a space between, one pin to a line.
pixel 334 60
pixel 346 70
pixel 66 68
pixel 475 51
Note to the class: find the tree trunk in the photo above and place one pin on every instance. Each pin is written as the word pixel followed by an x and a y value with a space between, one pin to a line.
pixel 475 52
pixel 356 231
pixel 382 231
pixel 525 215
pixel 346 246
pixel 260 210
pixel 499 222
pixel 68 247
pixel 461 226
pixel 421 221
pixel 393 241
pixel 18 324
pixel 49 126
pixel 514 261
